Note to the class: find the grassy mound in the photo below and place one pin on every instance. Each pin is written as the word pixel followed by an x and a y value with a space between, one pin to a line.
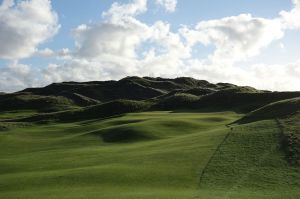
pixel 199 91
pixel 278 109
pixel 81 100
pixel 290 139
pixel 232 99
pixel 128 133
pixel 177 101
pixel 109 109
pixel 127 88
pixel 56 88
pixel 123 89
pixel 112 108
pixel 131 88
pixel 26 101
pixel 164 85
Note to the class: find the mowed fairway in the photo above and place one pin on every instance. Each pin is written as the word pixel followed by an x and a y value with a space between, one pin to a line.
pixel 155 155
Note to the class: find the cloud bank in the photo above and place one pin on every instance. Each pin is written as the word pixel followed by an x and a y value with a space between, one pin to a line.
pixel 25 25
pixel 120 45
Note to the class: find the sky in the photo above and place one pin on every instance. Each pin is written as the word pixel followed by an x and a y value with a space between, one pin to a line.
pixel 245 42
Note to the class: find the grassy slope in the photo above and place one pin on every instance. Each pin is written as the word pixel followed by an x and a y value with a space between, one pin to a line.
pixel 290 126
pixel 71 160
pixel 17 114
pixel 249 164
pixel 279 109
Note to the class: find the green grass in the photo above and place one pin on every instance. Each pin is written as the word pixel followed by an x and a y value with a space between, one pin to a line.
pixel 17 114
pixel 250 160
pixel 290 127
pixel 17 102
pixel 163 156
pixel 105 110
pixel 279 109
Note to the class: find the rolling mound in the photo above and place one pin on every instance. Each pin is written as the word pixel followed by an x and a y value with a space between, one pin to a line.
pixel 26 101
pixel 131 88
pixel 177 101
pixel 124 134
pixel 109 109
pixel 81 100
pixel 279 109
pixel 239 100
pixel 200 91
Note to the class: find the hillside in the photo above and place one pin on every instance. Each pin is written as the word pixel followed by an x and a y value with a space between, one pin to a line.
pixel 188 93
pixel 149 138
pixel 279 109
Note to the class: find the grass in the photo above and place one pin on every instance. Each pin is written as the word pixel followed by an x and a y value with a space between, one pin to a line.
pixel 162 156
pixel 15 102
pixel 250 160
pixel 109 109
pixel 176 101
pixel 290 127
pixel 17 114
pixel 279 109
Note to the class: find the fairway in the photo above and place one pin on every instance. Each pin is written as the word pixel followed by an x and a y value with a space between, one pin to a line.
pixel 142 155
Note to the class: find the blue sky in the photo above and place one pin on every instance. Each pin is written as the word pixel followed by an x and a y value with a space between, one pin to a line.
pixel 243 42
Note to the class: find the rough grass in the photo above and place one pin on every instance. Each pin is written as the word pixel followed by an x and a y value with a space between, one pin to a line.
pixel 251 159
pixel 279 109
pixel 242 101
pixel 17 102
pixel 290 140
pixel 177 101
pixel 104 110
pixel 17 114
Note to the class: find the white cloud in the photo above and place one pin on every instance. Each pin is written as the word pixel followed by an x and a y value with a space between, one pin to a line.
pixel 122 45
pixel 25 25
pixel 117 38
pixel 235 38
pixel 169 5
pixel 125 12
pixel 122 38
pixel 274 77
pixel 46 52
pixel 109 40
pixel 261 76
pixel 291 19
pixel 86 70
pixel 15 76
pixel 64 53
pixel 116 48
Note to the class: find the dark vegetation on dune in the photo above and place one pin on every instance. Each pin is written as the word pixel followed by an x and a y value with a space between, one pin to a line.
pixel 113 108
pixel 165 94
pixel 88 100
pixel 176 101
pixel 279 109
pixel 30 101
